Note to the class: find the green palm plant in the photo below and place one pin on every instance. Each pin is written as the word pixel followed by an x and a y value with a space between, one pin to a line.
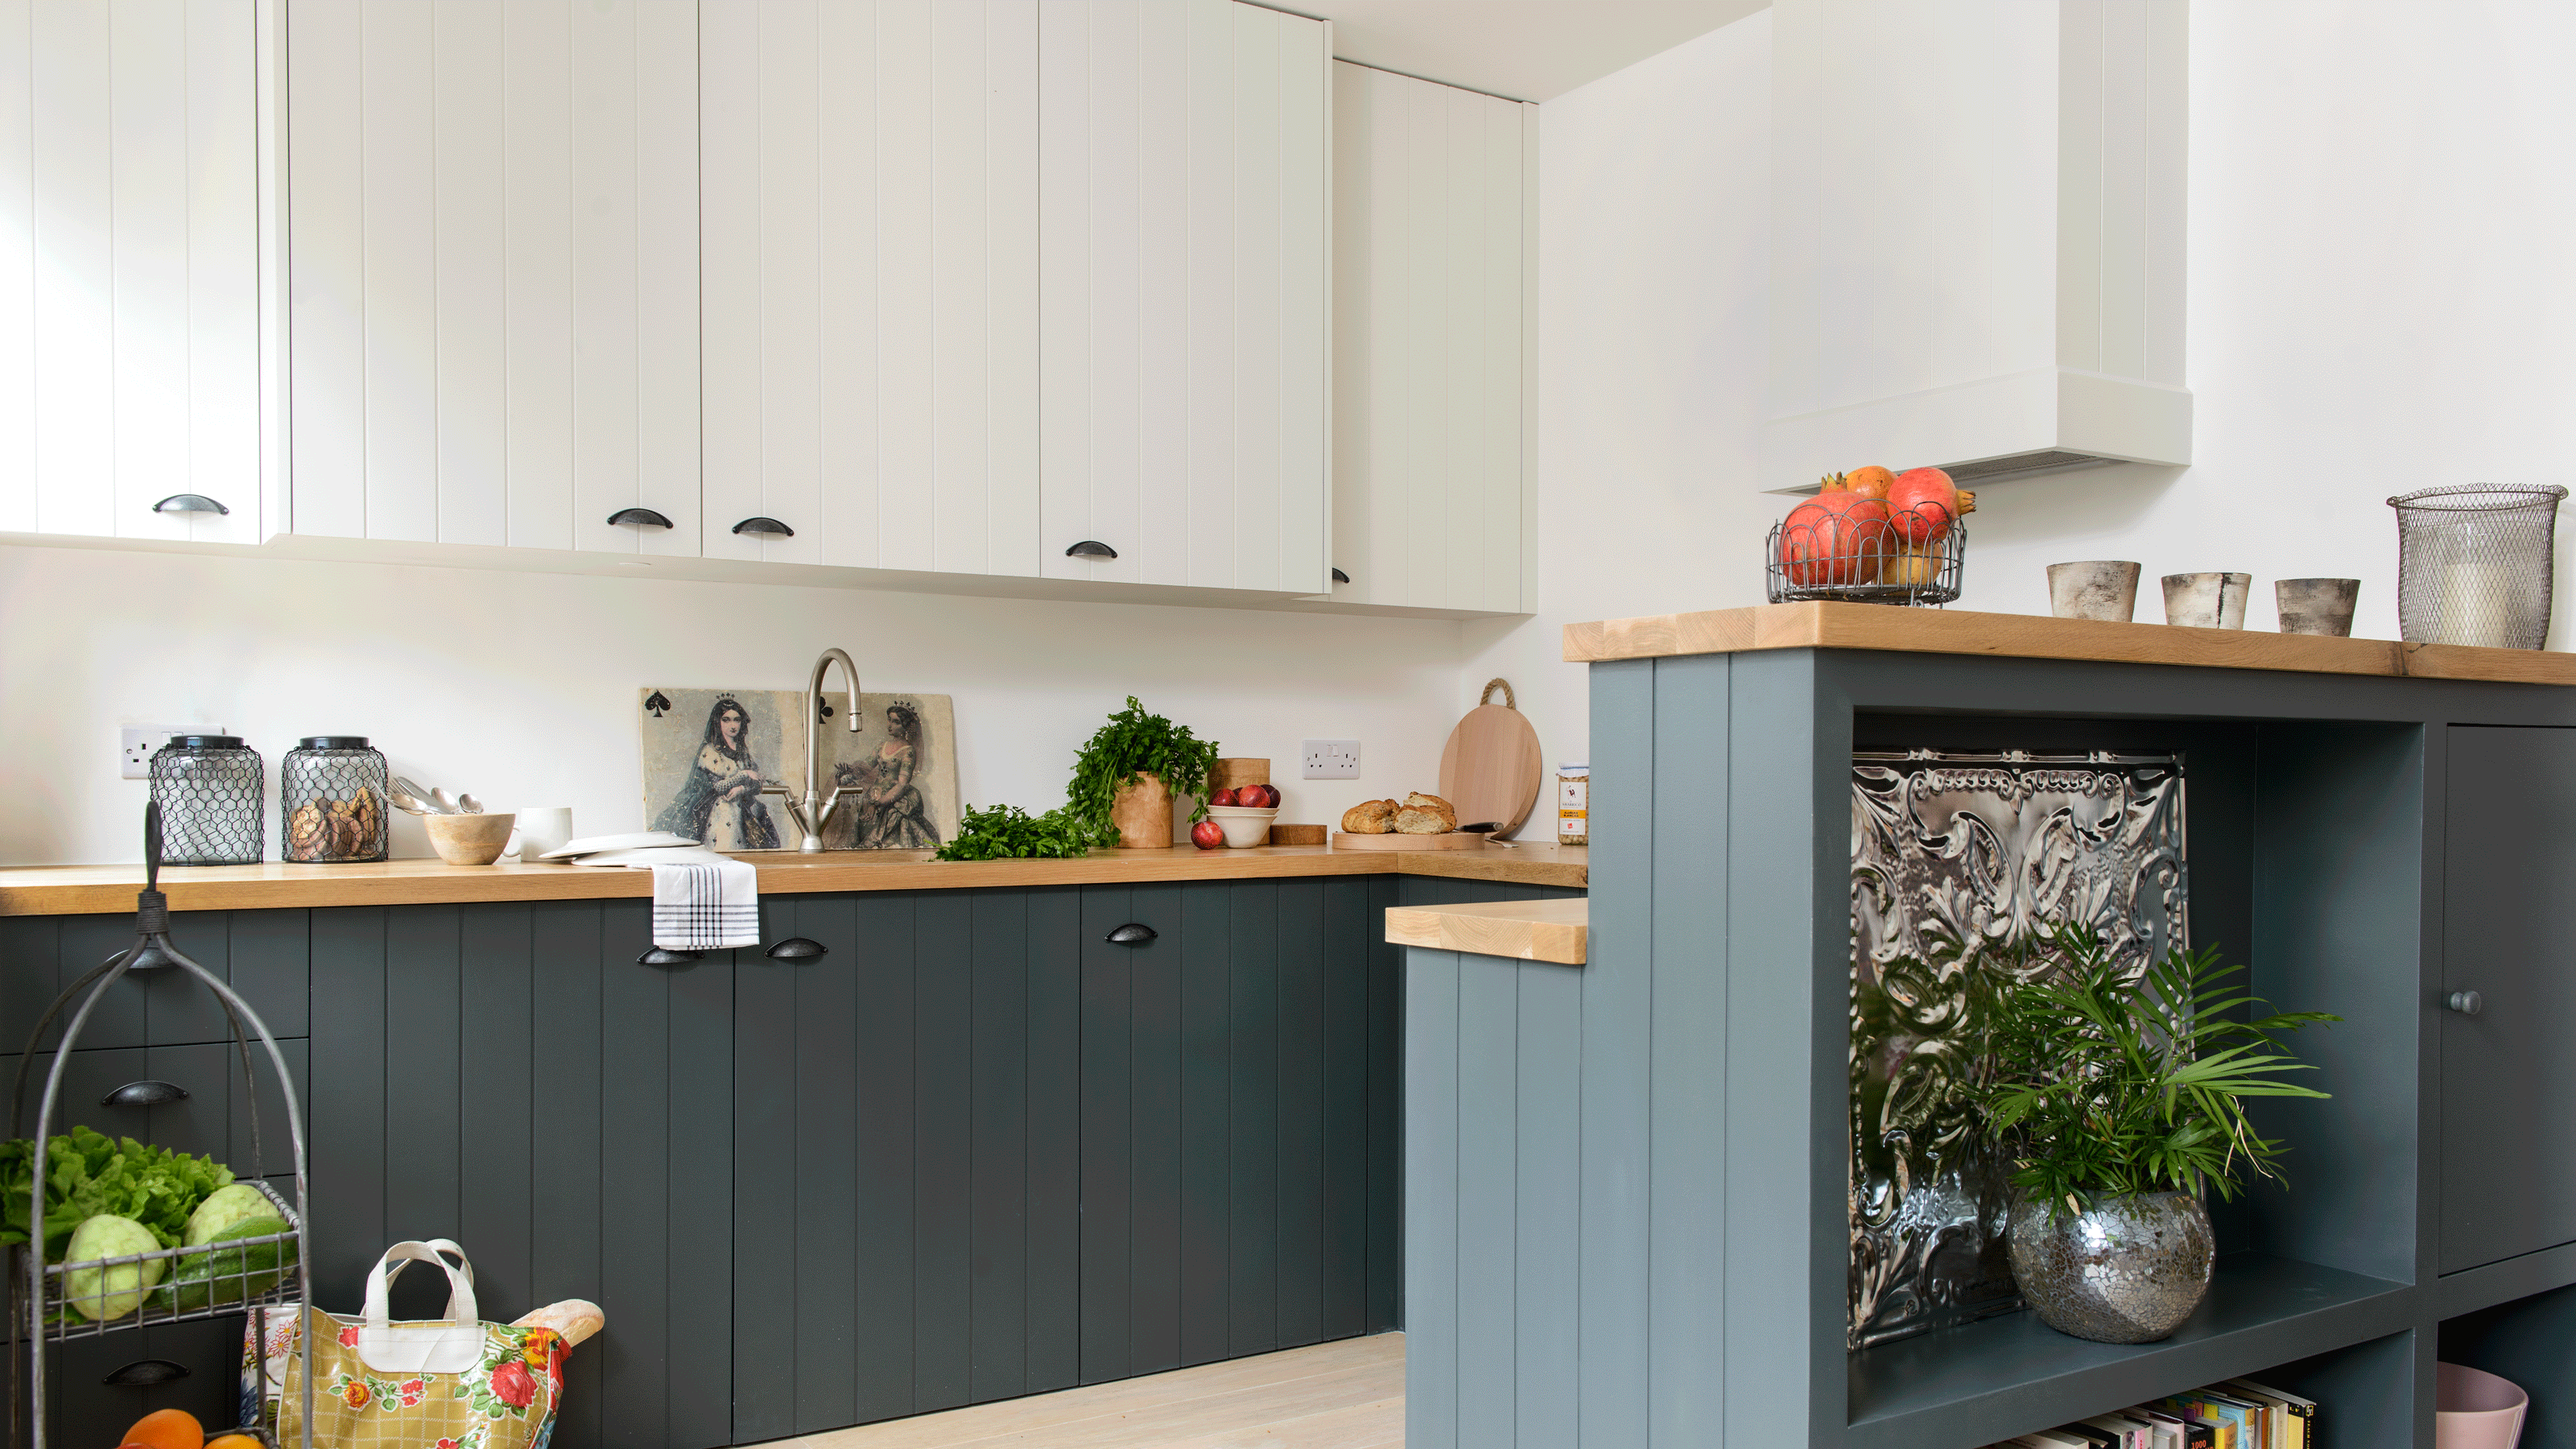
pixel 2103 1086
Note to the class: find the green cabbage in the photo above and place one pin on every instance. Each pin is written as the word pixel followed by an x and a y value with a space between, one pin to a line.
pixel 224 1207
pixel 100 1294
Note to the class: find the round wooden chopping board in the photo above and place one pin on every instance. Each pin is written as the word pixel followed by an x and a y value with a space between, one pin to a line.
pixel 1491 768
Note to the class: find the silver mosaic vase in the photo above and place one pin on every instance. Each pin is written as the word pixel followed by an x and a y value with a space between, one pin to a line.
pixel 2129 1271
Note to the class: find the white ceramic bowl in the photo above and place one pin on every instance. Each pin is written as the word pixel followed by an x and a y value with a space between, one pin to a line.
pixel 1243 825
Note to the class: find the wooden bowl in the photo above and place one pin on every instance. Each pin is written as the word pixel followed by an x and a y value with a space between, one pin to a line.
pixel 468 839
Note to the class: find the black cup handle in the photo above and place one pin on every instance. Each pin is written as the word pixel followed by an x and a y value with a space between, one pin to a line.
pixel 764 525
pixel 143 1373
pixel 796 948
pixel 642 517
pixel 145 1094
pixel 1134 933
pixel 1091 548
pixel 658 956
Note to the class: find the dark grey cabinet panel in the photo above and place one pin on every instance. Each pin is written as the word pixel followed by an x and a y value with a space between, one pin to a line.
pixel 263 955
pixel 2509 857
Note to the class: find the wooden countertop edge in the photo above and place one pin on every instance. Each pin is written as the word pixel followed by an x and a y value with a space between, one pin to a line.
pixel 1557 931
pixel 107 890
pixel 2031 636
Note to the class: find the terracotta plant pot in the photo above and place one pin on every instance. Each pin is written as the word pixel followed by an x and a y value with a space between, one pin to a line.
pixel 1143 814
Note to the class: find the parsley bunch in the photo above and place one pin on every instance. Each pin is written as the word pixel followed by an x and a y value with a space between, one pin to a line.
pixel 1007 832
pixel 1135 743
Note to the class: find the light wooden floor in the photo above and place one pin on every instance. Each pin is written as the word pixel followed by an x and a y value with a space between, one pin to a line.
pixel 1344 1395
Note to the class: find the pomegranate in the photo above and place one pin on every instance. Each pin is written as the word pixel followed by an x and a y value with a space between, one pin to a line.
pixel 1925 503
pixel 1833 538
pixel 1910 569
pixel 1870 482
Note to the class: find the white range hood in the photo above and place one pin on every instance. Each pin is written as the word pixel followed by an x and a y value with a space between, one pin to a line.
pixel 1977 236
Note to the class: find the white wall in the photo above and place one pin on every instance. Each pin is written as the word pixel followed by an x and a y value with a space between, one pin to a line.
pixel 522 687
pixel 1653 354
pixel 2382 298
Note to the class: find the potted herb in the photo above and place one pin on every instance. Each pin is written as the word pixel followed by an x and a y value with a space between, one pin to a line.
pixel 2119 1101
pixel 1125 778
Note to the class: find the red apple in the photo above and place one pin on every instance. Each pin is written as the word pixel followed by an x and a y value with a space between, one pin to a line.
pixel 1269 795
pixel 1207 835
pixel 1221 797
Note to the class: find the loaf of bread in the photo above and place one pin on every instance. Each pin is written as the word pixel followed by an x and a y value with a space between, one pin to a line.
pixel 1370 817
pixel 1426 815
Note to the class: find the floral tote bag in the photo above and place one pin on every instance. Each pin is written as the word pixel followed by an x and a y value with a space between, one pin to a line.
pixel 450 1383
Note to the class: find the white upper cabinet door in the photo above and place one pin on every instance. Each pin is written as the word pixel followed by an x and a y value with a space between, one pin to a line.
pixel 1182 291
pixel 870 232
pixel 493 300
pixel 129 268
pixel 1431 265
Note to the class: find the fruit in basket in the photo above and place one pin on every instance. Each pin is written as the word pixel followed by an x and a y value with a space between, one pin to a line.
pixel 1925 503
pixel 235 1441
pixel 168 1429
pixel 228 1275
pixel 224 1207
pixel 1870 482
pixel 1911 568
pixel 1221 797
pixel 110 1291
pixel 1833 538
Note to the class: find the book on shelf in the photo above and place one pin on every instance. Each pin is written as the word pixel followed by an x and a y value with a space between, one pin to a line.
pixel 2296 1416
pixel 2126 1432
pixel 2239 1414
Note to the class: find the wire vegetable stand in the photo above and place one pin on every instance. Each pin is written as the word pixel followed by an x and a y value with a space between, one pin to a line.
pixel 213 1279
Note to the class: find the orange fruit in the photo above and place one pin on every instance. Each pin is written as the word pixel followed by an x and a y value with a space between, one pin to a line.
pixel 234 1441
pixel 167 1429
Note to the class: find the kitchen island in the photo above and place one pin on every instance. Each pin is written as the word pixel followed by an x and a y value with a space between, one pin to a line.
pixel 974 1149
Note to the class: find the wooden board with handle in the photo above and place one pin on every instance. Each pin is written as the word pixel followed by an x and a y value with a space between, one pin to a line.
pixel 1454 840
pixel 1491 768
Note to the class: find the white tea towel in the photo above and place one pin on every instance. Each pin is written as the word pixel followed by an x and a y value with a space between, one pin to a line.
pixel 706 904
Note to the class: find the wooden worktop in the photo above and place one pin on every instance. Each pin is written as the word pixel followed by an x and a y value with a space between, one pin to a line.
pixel 1558 930
pixel 65 890
pixel 2031 636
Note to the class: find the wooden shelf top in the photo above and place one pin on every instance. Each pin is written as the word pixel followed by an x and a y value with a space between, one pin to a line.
pixel 1555 931
pixel 2031 636
pixel 66 890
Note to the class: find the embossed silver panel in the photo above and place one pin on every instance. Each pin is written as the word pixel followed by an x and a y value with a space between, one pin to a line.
pixel 1960 866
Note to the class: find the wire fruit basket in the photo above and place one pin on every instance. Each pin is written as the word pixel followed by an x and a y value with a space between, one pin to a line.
pixel 1902 558
pixel 59 1302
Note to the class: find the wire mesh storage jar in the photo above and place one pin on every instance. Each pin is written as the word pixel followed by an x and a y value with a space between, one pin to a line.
pixel 2474 564
pixel 208 788
pixel 331 793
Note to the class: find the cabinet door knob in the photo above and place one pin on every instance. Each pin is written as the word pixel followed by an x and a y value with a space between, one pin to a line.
pixel 764 525
pixel 2466 1003
pixel 144 1094
pixel 660 957
pixel 143 1373
pixel 1133 933
pixel 1091 548
pixel 189 503
pixel 796 948
pixel 642 518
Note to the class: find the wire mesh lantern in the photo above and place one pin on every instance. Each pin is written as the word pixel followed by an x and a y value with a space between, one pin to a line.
pixel 1910 556
pixel 2475 564
pixel 208 788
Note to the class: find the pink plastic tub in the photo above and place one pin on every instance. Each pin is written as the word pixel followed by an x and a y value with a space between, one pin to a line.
pixel 2473 1409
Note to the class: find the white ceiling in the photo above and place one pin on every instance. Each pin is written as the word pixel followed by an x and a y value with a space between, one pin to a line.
pixel 1528 50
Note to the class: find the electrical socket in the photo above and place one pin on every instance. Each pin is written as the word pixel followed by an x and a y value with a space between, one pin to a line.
pixel 136 742
pixel 1331 759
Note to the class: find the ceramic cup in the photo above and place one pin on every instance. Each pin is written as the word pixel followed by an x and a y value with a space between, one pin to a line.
pixel 2105 589
pixel 2474 1409
pixel 2316 606
pixel 2207 601
pixel 541 828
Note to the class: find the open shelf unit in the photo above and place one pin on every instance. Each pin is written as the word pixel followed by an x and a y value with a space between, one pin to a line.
pixel 2366 845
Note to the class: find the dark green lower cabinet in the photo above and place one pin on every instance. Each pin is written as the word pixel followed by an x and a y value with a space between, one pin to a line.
pixel 974 1150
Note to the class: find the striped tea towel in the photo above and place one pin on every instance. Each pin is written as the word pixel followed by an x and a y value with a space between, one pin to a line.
pixel 705 904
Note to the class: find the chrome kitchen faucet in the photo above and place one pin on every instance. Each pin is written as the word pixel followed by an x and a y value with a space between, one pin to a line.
pixel 809 817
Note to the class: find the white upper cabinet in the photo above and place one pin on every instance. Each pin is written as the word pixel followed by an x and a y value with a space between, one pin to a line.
pixel 129 268
pixel 1432 190
pixel 1182 285
pixel 494 296
pixel 870 239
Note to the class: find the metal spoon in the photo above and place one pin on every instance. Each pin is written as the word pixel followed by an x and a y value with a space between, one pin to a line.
pixel 446 802
pixel 471 805
pixel 411 806
pixel 420 797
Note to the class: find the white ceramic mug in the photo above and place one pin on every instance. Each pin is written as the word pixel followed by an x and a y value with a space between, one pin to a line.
pixel 541 828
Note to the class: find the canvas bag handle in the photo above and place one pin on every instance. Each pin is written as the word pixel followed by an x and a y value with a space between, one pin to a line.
pixel 449 1347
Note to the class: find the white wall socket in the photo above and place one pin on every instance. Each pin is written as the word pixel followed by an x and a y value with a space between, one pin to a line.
pixel 136 742
pixel 1332 759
